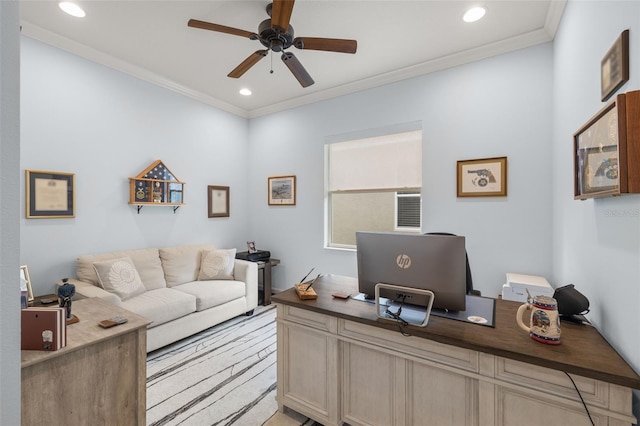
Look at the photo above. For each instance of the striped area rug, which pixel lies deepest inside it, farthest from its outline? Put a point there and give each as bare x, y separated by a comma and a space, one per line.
225, 375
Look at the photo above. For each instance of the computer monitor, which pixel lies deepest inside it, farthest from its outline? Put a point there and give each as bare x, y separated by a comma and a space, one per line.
429, 262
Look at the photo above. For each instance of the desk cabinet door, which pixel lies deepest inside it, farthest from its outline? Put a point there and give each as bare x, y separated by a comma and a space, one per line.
383, 389
307, 372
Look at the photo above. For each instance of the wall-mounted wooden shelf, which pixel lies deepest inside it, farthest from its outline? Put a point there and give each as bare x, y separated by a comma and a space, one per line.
156, 186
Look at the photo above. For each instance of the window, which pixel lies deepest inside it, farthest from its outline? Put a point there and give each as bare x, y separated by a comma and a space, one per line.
373, 184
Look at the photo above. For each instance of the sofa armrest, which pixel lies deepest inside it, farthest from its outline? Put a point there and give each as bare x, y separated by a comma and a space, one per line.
86, 290
247, 272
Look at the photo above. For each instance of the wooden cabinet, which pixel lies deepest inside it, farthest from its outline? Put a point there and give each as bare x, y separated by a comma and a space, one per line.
99, 378
607, 150
338, 364
308, 364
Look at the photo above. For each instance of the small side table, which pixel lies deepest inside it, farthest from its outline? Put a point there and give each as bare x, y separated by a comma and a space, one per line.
264, 275
265, 267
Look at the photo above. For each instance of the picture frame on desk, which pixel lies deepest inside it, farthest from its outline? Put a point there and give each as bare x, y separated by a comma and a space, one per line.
24, 274
49, 195
484, 177
282, 190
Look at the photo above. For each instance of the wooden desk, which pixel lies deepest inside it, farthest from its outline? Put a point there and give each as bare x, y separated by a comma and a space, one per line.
338, 363
98, 378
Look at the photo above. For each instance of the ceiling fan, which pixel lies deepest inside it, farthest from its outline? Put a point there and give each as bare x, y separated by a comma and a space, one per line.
277, 35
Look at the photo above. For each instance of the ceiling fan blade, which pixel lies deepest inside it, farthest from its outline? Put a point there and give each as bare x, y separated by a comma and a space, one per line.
221, 29
328, 44
248, 63
281, 14
297, 69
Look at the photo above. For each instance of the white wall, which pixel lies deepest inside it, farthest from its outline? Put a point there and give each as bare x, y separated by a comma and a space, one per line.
496, 107
105, 127
596, 243
9, 197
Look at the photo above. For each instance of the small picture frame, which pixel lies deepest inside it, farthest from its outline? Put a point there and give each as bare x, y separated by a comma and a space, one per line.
24, 275
614, 67
218, 197
251, 247
49, 195
282, 190
485, 177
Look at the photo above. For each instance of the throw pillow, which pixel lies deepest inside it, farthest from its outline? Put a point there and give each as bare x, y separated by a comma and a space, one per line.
119, 276
217, 265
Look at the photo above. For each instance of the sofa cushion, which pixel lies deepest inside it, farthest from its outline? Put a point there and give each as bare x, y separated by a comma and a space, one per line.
182, 264
213, 293
161, 305
147, 262
217, 265
119, 276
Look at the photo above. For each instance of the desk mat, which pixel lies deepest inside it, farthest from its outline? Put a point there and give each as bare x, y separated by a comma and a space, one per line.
480, 310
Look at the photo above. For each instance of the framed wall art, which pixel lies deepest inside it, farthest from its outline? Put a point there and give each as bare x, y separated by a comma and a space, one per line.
485, 177
614, 68
49, 195
218, 197
282, 190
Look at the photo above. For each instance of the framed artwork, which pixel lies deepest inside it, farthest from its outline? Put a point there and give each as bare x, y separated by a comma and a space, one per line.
614, 67
485, 177
282, 190
597, 154
49, 195
251, 247
24, 275
218, 201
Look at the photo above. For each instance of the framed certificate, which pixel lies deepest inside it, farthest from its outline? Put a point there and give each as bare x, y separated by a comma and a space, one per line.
49, 195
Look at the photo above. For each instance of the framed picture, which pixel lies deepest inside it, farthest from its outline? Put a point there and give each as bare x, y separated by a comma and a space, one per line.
251, 247
598, 154
218, 201
486, 177
49, 195
282, 190
614, 68
24, 275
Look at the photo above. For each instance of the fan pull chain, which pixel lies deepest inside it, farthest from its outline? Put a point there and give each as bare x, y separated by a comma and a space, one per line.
271, 71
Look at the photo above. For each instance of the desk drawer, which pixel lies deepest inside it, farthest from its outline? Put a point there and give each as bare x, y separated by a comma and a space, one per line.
308, 318
461, 358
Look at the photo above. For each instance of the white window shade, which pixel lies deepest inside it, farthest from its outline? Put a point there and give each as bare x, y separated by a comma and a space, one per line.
391, 162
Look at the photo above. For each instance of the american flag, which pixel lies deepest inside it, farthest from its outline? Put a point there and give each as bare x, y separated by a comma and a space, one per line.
159, 172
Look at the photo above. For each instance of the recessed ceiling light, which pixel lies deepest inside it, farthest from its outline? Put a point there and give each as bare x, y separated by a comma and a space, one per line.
474, 14
245, 92
72, 9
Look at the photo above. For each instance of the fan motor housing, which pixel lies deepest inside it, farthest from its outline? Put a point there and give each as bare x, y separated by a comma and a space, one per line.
273, 39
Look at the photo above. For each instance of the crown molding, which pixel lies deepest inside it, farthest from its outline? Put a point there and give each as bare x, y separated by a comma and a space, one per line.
64, 43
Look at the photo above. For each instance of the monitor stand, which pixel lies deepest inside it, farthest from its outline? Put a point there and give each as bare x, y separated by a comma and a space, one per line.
479, 310
401, 312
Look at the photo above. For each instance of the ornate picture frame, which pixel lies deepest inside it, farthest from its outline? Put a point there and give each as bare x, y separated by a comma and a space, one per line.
49, 195
282, 190
614, 67
218, 201
485, 177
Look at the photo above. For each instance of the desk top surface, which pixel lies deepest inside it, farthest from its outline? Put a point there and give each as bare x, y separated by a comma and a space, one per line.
583, 350
87, 331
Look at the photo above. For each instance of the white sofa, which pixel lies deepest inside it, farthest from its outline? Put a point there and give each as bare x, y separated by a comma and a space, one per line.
177, 294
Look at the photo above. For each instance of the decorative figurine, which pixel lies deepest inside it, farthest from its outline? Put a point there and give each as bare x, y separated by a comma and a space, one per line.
65, 293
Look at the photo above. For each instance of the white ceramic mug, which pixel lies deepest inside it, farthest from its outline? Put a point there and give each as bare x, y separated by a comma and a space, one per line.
545, 322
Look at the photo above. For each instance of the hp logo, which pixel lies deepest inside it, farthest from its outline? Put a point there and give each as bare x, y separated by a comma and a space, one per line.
403, 261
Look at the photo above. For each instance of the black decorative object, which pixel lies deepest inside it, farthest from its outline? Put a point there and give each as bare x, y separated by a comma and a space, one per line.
65, 294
